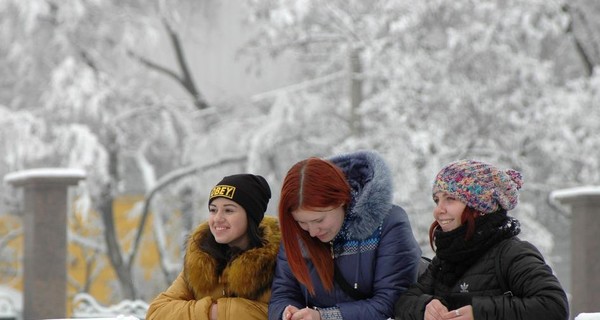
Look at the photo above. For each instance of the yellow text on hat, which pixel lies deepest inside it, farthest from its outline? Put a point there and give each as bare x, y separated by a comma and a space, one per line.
222, 191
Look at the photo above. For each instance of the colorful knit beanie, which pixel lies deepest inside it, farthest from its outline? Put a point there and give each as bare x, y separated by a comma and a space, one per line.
250, 191
480, 185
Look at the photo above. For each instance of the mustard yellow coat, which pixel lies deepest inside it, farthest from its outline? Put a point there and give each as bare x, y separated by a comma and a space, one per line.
241, 292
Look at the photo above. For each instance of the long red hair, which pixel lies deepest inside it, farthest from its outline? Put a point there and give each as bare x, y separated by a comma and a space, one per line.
310, 184
468, 217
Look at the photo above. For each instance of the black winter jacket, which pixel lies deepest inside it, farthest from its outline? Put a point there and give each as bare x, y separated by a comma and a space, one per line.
536, 292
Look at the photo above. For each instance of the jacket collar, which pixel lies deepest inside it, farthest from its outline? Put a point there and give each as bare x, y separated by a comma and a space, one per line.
247, 276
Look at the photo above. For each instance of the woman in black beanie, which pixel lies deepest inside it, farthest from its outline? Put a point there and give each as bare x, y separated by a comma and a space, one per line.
230, 259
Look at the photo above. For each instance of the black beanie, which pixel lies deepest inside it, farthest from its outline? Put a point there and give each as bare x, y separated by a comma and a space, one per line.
250, 191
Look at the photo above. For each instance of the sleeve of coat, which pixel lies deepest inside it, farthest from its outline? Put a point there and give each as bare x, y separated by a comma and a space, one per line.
536, 292
285, 290
178, 302
240, 308
411, 304
396, 267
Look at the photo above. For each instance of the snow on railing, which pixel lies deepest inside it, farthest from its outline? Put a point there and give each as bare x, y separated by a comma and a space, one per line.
85, 306
7, 308
588, 316
120, 317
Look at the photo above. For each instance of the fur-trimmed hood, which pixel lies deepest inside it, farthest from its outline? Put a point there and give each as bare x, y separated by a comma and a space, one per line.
248, 275
371, 183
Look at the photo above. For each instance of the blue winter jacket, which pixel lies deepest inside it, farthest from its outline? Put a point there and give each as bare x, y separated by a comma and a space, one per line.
375, 250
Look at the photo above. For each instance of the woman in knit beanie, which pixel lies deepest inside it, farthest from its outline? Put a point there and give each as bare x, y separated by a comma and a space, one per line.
230, 259
481, 270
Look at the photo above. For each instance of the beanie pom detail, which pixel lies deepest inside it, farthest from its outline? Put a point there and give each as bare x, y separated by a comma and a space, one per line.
516, 177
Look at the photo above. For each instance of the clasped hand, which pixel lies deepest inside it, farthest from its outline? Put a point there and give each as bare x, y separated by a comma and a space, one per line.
293, 313
435, 310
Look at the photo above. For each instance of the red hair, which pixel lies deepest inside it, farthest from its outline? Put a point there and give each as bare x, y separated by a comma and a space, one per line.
310, 184
468, 217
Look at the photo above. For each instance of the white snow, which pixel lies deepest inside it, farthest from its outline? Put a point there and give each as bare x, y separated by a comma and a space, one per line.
11, 301
44, 173
115, 318
588, 316
566, 194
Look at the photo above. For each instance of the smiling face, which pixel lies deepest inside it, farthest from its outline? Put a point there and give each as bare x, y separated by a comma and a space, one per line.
321, 223
228, 223
448, 211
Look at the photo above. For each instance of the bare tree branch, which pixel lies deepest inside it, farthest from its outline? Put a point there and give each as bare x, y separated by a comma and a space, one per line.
187, 81
155, 66
585, 58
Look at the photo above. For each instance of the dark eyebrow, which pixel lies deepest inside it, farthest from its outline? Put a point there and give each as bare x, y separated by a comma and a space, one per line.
225, 205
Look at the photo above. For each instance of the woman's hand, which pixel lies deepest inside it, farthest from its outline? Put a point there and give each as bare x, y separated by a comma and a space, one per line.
288, 312
462, 313
435, 310
213, 311
293, 313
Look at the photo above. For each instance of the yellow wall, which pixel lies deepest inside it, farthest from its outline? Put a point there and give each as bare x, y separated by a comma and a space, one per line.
9, 223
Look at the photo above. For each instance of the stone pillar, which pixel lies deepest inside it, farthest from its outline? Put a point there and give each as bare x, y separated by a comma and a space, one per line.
45, 236
584, 203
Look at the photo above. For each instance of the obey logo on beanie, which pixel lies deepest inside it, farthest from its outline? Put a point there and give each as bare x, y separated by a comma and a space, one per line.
250, 191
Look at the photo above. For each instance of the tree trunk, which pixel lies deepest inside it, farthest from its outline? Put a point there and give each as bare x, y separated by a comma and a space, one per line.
105, 207
355, 90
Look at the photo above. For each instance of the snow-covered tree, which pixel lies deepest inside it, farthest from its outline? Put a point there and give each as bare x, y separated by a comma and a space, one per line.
503, 81
81, 96
513, 82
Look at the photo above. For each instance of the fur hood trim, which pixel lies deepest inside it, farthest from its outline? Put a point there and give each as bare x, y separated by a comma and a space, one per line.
247, 276
371, 182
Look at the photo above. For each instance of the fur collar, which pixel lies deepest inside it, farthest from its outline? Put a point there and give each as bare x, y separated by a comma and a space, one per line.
371, 182
247, 276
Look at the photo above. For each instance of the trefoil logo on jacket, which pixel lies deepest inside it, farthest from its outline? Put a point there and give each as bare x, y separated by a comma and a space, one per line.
464, 287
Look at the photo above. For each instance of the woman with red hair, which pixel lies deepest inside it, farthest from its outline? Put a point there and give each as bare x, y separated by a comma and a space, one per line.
338, 227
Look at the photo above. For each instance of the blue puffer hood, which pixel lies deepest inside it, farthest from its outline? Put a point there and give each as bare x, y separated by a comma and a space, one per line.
371, 183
